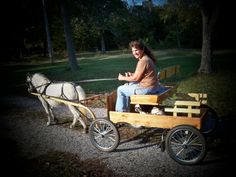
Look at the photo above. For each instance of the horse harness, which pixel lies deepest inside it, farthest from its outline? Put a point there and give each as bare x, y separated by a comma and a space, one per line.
32, 88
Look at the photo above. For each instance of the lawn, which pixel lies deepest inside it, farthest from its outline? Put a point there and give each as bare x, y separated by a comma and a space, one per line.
219, 85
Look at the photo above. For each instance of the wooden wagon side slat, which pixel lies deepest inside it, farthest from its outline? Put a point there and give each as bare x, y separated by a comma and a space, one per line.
183, 110
201, 97
187, 103
149, 120
186, 107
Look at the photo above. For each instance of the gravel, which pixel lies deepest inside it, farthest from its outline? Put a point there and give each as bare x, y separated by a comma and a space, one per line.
23, 122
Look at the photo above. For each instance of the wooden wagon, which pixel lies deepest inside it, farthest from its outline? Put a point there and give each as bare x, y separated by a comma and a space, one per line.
185, 125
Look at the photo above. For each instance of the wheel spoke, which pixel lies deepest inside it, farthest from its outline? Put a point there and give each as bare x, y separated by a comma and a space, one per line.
185, 144
112, 137
104, 135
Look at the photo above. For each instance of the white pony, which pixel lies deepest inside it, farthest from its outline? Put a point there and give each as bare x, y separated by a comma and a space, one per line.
66, 90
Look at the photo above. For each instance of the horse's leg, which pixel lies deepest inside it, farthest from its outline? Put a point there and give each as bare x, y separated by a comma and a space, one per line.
48, 110
54, 120
76, 114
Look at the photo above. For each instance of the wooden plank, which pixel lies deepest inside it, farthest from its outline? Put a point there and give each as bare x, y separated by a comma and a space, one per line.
149, 120
187, 103
162, 74
111, 101
144, 99
202, 97
177, 69
169, 72
151, 99
185, 107
183, 110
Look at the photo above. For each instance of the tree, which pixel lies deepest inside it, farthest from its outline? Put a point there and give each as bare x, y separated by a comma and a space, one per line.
210, 12
69, 41
103, 13
47, 33
172, 13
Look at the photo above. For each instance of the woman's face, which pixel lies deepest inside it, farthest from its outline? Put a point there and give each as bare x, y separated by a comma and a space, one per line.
138, 53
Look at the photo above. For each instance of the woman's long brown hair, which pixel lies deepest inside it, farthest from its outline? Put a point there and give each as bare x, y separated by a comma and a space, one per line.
141, 46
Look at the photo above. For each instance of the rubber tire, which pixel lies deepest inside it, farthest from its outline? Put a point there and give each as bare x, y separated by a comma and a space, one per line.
210, 121
98, 128
190, 153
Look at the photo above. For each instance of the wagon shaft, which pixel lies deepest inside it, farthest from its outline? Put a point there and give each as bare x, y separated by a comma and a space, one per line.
67, 102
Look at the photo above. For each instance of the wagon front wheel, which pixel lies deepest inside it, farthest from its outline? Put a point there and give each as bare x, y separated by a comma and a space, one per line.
104, 135
186, 145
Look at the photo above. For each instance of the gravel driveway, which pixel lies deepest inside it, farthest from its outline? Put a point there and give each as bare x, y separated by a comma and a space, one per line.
26, 139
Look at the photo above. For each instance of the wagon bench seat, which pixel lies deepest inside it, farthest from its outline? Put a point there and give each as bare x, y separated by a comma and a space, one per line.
152, 99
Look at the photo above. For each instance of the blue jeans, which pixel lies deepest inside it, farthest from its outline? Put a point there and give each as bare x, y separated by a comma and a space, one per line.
125, 91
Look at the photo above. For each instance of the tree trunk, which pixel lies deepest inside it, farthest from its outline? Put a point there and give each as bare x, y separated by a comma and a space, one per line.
178, 34
103, 46
209, 18
205, 66
49, 43
69, 41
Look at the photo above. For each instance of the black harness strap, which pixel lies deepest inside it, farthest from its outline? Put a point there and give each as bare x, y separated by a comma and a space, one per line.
45, 88
63, 94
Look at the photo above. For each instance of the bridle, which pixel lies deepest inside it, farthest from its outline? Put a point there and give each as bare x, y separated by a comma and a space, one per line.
31, 87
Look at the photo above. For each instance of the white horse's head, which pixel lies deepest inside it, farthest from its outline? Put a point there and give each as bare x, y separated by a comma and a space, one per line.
35, 81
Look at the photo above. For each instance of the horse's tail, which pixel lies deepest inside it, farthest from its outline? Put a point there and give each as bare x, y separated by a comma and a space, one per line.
82, 96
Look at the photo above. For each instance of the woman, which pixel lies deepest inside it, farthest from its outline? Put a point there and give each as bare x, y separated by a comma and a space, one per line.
143, 81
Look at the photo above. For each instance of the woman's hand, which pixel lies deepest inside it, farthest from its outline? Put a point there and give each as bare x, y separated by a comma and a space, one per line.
125, 77
128, 74
120, 77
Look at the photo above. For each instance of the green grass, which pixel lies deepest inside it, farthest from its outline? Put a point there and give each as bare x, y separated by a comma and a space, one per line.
97, 66
220, 85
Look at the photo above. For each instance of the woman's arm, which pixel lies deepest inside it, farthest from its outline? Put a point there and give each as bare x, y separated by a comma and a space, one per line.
137, 75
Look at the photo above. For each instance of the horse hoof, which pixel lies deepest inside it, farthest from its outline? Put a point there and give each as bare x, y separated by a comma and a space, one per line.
54, 122
85, 131
71, 126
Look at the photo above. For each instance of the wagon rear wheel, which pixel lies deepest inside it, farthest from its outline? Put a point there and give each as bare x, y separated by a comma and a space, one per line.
209, 121
104, 135
186, 145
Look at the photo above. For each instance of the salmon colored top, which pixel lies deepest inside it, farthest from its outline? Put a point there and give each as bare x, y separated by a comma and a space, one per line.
149, 77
